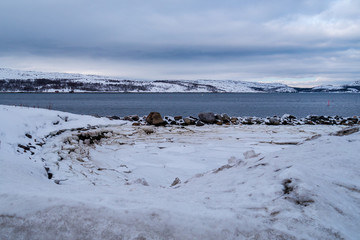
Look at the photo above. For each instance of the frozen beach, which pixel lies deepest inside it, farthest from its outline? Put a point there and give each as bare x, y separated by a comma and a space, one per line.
68, 176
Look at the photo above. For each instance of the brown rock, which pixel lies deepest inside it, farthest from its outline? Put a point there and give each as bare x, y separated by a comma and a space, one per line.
234, 120
225, 118
189, 121
154, 118
175, 182
177, 118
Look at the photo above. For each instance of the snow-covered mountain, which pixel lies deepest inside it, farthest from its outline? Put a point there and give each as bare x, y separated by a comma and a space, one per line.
30, 81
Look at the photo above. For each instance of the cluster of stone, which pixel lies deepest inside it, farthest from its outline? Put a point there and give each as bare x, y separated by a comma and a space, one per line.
155, 118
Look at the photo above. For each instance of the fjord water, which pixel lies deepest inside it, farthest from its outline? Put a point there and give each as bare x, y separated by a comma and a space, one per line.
187, 104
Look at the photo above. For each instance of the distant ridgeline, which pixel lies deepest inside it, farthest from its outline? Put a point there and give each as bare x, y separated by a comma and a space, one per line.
28, 81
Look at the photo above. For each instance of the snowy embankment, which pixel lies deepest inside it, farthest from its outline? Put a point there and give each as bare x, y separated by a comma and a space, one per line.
66, 176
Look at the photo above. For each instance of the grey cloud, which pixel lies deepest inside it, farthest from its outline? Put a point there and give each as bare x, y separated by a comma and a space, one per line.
302, 38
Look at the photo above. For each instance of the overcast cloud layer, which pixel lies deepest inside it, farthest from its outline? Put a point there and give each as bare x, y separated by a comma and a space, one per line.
308, 42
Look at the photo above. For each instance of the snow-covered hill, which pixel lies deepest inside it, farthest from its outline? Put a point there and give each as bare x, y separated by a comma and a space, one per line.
352, 88
30, 81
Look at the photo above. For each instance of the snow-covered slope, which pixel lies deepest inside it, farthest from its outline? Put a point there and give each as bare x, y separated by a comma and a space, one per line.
111, 180
351, 88
30, 81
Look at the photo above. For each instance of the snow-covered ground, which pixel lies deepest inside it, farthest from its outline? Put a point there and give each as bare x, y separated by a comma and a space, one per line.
112, 180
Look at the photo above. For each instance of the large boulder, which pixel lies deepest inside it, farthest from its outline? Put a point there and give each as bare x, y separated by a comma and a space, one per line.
189, 121
154, 118
272, 121
225, 118
207, 117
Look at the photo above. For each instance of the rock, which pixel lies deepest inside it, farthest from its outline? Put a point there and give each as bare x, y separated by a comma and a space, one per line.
136, 124
199, 123
225, 118
288, 119
234, 120
132, 118
177, 118
135, 117
189, 121
26, 148
114, 118
248, 121
28, 135
219, 123
175, 182
353, 120
154, 118
309, 122
273, 121
207, 117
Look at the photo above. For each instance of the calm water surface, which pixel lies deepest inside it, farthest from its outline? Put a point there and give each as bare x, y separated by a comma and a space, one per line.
186, 104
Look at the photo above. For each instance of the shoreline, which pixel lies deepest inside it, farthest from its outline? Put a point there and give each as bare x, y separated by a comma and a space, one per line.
209, 118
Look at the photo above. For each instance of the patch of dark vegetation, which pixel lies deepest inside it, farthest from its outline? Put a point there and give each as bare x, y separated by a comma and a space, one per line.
26, 148
287, 186
273, 214
92, 137
56, 133
227, 166
49, 174
303, 202
291, 195
258, 165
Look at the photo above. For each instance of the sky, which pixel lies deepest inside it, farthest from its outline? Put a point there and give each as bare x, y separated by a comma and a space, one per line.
299, 43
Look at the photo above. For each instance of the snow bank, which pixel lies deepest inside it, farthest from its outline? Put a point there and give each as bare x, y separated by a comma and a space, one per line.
111, 180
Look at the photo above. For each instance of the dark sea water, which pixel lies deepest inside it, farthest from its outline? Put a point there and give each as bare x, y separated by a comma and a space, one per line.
187, 104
